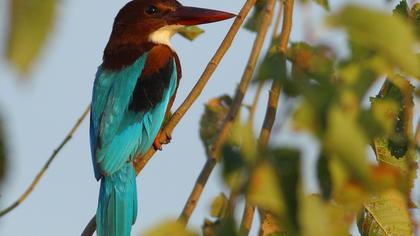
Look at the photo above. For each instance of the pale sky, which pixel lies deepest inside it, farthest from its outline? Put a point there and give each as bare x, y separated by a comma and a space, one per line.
39, 112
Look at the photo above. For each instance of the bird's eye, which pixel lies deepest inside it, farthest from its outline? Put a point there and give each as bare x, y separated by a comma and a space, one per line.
151, 10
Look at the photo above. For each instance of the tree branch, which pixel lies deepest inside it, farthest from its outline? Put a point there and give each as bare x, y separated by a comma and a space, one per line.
249, 209
41, 172
233, 111
270, 227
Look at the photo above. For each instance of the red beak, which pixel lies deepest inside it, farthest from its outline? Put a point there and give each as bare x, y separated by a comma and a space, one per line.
194, 16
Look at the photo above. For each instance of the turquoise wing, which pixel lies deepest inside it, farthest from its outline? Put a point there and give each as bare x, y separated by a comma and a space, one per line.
118, 133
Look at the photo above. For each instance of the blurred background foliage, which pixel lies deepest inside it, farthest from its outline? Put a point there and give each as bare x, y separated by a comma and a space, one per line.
328, 94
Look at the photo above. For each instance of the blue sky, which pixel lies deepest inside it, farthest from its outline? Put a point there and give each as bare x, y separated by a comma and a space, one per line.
40, 111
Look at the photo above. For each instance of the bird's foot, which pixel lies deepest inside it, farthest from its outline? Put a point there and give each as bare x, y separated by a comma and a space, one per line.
157, 145
168, 139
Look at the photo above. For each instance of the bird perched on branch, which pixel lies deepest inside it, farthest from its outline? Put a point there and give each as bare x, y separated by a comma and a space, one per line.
133, 91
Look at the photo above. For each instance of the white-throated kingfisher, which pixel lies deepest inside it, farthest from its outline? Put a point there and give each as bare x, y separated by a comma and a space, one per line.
133, 92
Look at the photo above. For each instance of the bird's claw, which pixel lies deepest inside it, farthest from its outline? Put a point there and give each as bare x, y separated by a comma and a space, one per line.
168, 139
157, 145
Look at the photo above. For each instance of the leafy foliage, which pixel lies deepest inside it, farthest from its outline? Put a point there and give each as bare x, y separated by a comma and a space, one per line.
218, 206
170, 228
30, 24
386, 214
328, 94
215, 112
254, 20
387, 36
396, 149
273, 66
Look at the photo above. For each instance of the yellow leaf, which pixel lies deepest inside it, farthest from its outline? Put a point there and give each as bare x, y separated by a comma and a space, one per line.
190, 32
170, 228
386, 214
31, 22
390, 36
264, 190
346, 141
218, 206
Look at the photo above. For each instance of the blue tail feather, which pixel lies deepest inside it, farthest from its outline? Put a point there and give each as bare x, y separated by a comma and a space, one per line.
117, 205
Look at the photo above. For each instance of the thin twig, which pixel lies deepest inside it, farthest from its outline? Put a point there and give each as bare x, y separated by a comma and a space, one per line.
255, 102
90, 227
249, 209
261, 82
273, 102
139, 163
277, 22
233, 111
41, 172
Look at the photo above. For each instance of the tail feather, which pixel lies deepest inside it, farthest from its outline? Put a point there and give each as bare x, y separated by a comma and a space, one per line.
117, 205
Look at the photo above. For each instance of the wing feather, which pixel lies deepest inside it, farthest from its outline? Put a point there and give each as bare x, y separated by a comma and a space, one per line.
119, 133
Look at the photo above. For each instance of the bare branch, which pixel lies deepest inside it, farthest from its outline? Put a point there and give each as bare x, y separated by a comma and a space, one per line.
249, 209
233, 111
255, 102
270, 227
41, 172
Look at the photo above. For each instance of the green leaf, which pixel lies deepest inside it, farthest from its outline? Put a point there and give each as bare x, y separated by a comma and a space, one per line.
323, 3
386, 214
215, 112
170, 228
273, 66
315, 62
322, 218
385, 112
346, 192
305, 118
233, 164
254, 21
402, 9
395, 149
30, 24
346, 141
218, 206
238, 154
243, 137
190, 32
218, 227
390, 37
287, 166
263, 190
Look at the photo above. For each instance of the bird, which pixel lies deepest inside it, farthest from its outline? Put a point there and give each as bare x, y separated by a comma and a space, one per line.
133, 91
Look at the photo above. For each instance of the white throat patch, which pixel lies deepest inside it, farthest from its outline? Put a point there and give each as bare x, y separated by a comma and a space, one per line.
164, 35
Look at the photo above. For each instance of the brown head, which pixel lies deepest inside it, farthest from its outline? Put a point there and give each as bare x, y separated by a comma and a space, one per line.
140, 24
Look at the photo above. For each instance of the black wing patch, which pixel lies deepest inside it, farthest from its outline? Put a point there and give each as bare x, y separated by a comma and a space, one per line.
149, 89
